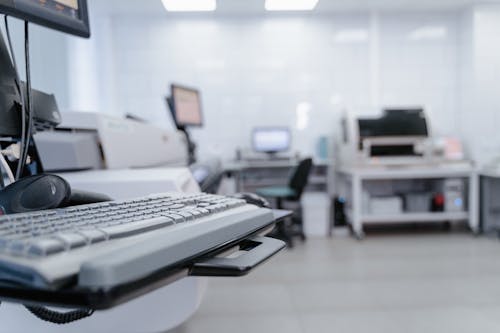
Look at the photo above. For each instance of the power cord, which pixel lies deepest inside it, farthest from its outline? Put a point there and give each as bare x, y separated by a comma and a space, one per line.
28, 96
56, 317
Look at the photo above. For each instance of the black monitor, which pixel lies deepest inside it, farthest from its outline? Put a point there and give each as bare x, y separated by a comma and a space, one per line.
185, 105
271, 140
68, 16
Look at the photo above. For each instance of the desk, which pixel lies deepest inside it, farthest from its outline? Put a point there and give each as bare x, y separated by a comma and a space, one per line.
253, 174
351, 181
157, 311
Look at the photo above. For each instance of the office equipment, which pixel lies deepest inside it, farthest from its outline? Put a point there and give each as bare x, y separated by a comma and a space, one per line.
353, 180
454, 191
174, 298
185, 107
119, 143
292, 192
399, 136
45, 110
63, 15
108, 244
271, 140
68, 151
253, 199
34, 193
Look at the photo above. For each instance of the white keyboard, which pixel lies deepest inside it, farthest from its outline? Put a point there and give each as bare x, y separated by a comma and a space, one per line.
107, 244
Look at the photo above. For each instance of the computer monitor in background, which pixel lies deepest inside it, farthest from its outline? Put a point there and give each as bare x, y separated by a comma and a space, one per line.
271, 140
70, 16
185, 105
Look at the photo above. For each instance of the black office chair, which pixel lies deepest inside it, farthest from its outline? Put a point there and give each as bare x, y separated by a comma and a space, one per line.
292, 193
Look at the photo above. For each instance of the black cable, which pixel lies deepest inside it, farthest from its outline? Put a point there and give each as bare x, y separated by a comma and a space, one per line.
28, 94
21, 94
56, 317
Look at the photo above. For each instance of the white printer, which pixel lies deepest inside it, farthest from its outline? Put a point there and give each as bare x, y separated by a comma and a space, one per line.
86, 140
398, 136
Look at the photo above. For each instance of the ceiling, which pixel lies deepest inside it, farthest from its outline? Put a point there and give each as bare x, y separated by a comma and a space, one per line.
241, 7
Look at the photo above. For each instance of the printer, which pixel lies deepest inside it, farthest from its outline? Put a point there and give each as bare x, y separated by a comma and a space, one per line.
85, 141
398, 136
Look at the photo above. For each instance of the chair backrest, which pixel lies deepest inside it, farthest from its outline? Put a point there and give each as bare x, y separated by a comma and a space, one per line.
299, 178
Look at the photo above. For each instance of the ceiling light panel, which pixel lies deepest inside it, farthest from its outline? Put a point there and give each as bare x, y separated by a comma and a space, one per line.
190, 5
290, 5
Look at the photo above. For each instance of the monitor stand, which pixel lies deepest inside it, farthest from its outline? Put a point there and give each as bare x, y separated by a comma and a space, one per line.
191, 146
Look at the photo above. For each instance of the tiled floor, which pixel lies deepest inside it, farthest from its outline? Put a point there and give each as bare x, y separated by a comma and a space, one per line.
398, 282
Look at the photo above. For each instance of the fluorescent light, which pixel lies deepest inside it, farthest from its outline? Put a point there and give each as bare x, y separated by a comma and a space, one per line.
291, 4
189, 5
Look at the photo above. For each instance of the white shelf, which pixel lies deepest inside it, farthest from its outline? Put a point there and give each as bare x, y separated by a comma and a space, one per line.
416, 217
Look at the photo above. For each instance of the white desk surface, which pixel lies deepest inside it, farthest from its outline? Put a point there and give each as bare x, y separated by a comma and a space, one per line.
268, 163
129, 183
437, 170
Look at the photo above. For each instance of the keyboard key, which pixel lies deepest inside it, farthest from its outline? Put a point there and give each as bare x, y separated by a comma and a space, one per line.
176, 206
93, 235
175, 217
71, 240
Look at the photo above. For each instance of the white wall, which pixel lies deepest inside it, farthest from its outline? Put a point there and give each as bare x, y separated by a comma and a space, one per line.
298, 71
479, 116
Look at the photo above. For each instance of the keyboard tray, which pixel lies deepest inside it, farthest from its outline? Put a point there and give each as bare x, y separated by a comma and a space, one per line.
257, 250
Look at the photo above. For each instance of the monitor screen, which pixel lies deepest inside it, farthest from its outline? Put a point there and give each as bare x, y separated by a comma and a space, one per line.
271, 139
186, 106
69, 16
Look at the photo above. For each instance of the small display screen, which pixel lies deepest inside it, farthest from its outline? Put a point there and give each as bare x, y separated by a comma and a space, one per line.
187, 106
64, 7
271, 140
